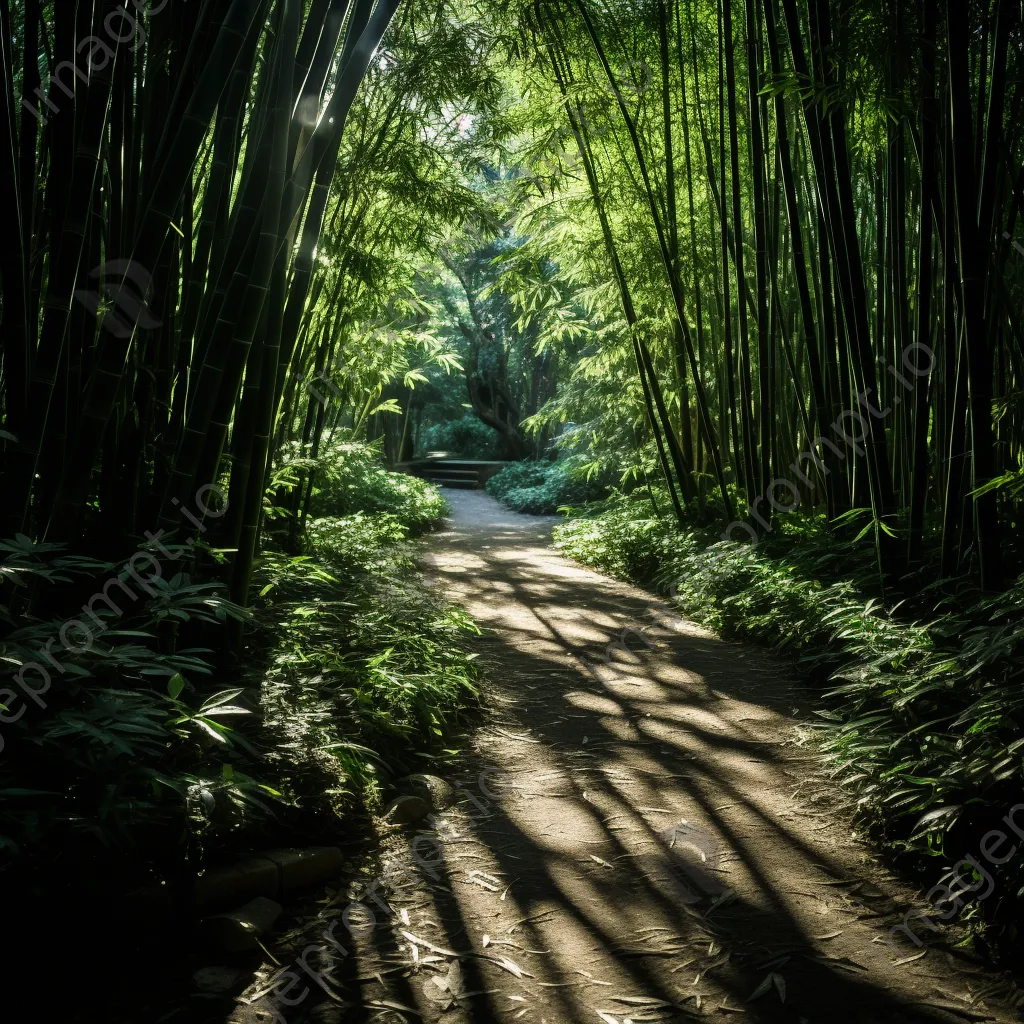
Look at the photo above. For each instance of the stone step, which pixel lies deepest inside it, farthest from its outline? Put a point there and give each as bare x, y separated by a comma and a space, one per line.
457, 482
451, 474
469, 474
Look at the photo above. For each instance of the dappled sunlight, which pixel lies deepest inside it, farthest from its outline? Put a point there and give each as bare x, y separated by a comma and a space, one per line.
659, 847
718, 299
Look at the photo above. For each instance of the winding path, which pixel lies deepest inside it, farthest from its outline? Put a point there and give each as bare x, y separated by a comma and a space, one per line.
661, 845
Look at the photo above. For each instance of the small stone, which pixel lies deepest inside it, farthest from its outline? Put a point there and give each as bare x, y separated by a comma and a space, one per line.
239, 929
438, 793
407, 810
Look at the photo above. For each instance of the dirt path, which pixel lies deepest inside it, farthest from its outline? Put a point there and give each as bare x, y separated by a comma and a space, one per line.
649, 840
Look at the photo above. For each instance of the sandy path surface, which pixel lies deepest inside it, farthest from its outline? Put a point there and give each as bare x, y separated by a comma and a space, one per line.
649, 840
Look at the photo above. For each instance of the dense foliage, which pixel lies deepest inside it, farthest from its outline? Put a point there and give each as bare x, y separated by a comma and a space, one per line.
366, 669
758, 257
789, 228
542, 488
144, 753
467, 437
207, 305
347, 477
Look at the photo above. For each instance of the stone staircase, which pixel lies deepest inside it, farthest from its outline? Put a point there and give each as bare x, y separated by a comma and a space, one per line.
441, 469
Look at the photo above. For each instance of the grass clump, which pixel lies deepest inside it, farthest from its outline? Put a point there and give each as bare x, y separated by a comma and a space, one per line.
922, 716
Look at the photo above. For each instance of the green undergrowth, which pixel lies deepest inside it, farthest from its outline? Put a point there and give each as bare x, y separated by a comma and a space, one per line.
362, 670
367, 672
348, 477
129, 745
922, 713
541, 488
157, 748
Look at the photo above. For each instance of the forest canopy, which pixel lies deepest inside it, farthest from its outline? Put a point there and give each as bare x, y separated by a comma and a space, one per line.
781, 235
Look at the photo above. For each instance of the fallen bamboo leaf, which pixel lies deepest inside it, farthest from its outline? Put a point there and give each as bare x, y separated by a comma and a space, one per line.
909, 959
526, 920
511, 966
516, 945
642, 1001
593, 980
478, 878
765, 985
429, 945
842, 961
390, 1004
780, 986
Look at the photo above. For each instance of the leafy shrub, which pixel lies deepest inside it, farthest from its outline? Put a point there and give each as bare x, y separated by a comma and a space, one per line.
627, 539
468, 437
516, 475
924, 719
368, 666
348, 477
143, 752
359, 546
541, 488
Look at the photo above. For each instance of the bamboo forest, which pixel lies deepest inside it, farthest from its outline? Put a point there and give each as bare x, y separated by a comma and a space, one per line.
512, 511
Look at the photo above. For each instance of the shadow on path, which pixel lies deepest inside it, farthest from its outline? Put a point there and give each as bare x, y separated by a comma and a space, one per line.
660, 846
